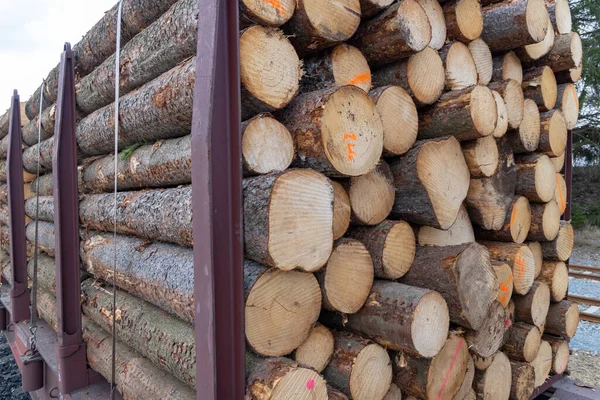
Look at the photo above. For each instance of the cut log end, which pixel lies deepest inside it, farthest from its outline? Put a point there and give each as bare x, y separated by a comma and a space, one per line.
556, 275
505, 280
569, 104
495, 382
561, 247
469, 19
394, 393
533, 307
399, 250
561, 355
542, 364
399, 118
521, 260
371, 373
467, 384
448, 368
435, 14
545, 181
523, 381
536, 17
300, 382
461, 70
266, 146
315, 352
562, 16
416, 23
341, 210
532, 343
426, 76
268, 13
560, 195
483, 110
536, 249
459, 233
558, 162
520, 219
512, 94
532, 52
502, 123
482, 156
549, 88
350, 67
553, 136
528, 134
571, 320
545, 221
431, 316
372, 195
512, 67
483, 61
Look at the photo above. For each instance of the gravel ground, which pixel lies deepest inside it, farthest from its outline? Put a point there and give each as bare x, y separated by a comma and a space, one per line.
10, 378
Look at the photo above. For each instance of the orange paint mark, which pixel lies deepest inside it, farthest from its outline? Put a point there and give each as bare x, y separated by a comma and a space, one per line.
513, 216
360, 78
277, 5
562, 204
503, 296
520, 265
352, 137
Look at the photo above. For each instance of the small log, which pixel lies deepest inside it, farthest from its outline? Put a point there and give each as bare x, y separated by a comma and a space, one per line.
280, 377
4, 121
467, 384
272, 14
526, 138
523, 380
536, 178
43, 212
516, 223
567, 53
347, 278
519, 258
274, 203
431, 182
560, 194
371, 195
560, 15
539, 84
460, 274
341, 210
45, 236
464, 20
545, 221
461, 70
391, 245
460, 232
422, 75
394, 393
533, 307
560, 353
502, 110
556, 275
561, 247
542, 364
535, 51
568, 103
467, 114
30, 130
267, 146
481, 363
396, 315
336, 131
270, 70
483, 61
553, 133
536, 249
399, 118
523, 342
488, 339
435, 15
558, 162
342, 65
398, 32
511, 24
505, 280
562, 319
359, 368
507, 66
4, 193
30, 158
281, 308
495, 382
512, 93
316, 351
334, 394
573, 75
438, 377
316, 26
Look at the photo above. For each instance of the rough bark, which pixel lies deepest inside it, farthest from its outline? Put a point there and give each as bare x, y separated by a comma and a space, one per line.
30, 130
560, 353
4, 120
370, 8
573, 75
30, 157
562, 319
45, 212
495, 381
271, 14
560, 249
489, 337
507, 66
45, 236
519, 257
515, 226
523, 380
464, 20
533, 307
536, 178
523, 342
566, 53
4, 193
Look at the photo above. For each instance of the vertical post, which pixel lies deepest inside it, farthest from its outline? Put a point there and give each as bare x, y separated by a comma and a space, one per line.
569, 174
70, 348
217, 205
19, 293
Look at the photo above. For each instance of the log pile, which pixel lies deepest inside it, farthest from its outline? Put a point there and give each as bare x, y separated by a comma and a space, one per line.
402, 197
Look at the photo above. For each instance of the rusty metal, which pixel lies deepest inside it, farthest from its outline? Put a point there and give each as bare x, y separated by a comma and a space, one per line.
70, 348
569, 174
19, 295
589, 317
590, 301
551, 381
217, 205
582, 275
588, 268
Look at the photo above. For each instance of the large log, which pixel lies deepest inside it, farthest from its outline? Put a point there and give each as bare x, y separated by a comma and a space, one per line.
461, 70
266, 13
553, 133
336, 131
4, 120
396, 316
533, 307
519, 257
431, 181
523, 342
460, 232
467, 114
502, 110
280, 310
438, 378
516, 225
462, 274
536, 178
341, 210
507, 66
464, 20
545, 221
562, 319
560, 353
560, 15
483, 61
391, 245
539, 84
526, 138
567, 53
489, 337
560, 248
160, 337
542, 364
535, 51
568, 103
494, 383
359, 368
523, 380
422, 75
316, 351
536, 249
267, 146
288, 219
398, 32
436, 17
511, 24
347, 277
512, 93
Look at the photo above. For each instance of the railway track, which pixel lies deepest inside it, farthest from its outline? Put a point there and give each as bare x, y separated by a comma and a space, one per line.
586, 272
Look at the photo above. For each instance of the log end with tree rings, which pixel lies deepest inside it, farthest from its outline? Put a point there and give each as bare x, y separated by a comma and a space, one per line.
571, 76
461, 71
512, 68
568, 101
281, 308
267, 13
536, 249
562, 16
460, 232
512, 93
266, 145
523, 380
527, 137
502, 123
505, 280
347, 278
560, 353
316, 351
556, 275
520, 219
561, 247
532, 52
372, 195
553, 134
431, 316
488, 338
562, 319
467, 19
576, 49
435, 14
548, 88
533, 306
536, 19
350, 67
399, 118
520, 258
426, 76
542, 364
560, 195
481, 156
532, 341
341, 210
394, 393
483, 61
270, 70
483, 110
558, 162
545, 221
413, 19
467, 384
494, 383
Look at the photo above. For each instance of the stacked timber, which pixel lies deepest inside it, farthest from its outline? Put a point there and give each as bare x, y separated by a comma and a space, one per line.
402, 196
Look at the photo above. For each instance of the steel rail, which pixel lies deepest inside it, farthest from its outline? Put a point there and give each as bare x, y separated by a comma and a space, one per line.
582, 275
590, 301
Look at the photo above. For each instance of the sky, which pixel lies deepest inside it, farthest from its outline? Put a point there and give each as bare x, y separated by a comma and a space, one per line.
32, 36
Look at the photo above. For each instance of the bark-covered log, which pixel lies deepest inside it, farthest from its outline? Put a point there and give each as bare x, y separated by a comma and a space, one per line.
341, 210
494, 383
399, 118
422, 75
391, 245
539, 84
438, 378
489, 337
267, 146
461, 70
398, 32
511, 24
281, 308
431, 181
359, 368
560, 249
464, 20
516, 225
30, 130
560, 353
560, 15
567, 53
460, 232
316, 351
523, 342
162, 338
32, 107
542, 364
526, 138
370, 8
462, 274
507, 66
435, 15
30, 157
533, 307
536, 178
553, 133
502, 110
519, 257
573, 75
483, 61
397, 316
336, 131
562, 319
266, 13
568, 103
347, 278
512, 93
545, 221
45, 210
523, 380
288, 219
535, 51
158, 48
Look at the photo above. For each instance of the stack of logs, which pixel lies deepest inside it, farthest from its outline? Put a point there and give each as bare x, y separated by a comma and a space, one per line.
402, 196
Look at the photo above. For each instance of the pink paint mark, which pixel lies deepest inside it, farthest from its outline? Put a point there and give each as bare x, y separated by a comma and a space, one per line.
507, 323
310, 384
439, 396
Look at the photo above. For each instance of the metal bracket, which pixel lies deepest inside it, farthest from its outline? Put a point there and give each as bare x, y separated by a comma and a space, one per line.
569, 174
